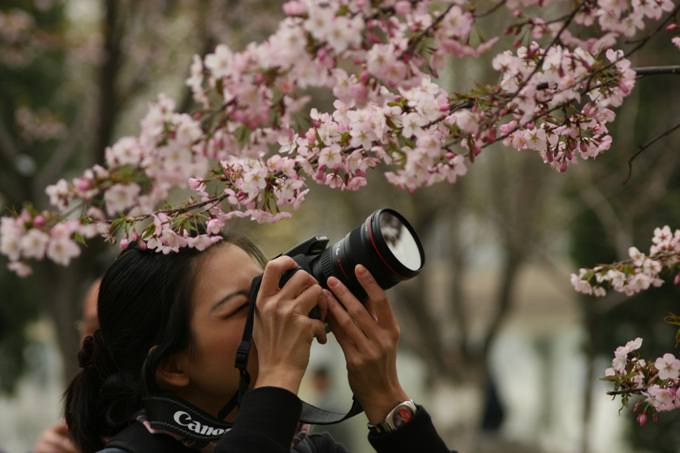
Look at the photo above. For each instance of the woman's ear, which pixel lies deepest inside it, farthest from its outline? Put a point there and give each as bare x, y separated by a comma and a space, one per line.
172, 371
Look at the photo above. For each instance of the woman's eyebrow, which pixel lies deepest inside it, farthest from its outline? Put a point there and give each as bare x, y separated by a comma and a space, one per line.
228, 297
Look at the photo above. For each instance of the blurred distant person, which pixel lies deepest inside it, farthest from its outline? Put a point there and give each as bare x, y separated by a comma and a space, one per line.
89, 321
327, 398
55, 439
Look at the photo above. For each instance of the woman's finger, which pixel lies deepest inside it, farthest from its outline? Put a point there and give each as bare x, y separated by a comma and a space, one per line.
336, 317
377, 303
272, 274
350, 320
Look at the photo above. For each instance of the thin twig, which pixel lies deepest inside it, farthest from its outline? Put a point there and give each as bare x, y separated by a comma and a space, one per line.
644, 147
656, 256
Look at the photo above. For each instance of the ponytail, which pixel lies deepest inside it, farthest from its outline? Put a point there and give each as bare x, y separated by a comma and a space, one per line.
100, 399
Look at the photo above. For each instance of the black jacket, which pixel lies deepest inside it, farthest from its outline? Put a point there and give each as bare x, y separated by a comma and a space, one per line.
266, 423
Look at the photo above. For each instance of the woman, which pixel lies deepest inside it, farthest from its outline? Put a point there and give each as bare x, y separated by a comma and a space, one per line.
170, 330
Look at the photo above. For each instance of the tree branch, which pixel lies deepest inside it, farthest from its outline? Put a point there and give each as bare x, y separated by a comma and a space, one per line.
657, 70
644, 147
7, 147
54, 167
627, 391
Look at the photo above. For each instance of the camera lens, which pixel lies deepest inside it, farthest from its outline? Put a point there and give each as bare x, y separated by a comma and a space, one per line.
385, 243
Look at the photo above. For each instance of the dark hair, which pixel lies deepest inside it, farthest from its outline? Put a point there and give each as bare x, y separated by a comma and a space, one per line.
144, 310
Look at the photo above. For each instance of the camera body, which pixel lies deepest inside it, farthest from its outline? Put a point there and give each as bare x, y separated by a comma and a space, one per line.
385, 243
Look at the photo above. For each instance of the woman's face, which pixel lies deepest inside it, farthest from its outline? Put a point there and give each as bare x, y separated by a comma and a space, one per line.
220, 300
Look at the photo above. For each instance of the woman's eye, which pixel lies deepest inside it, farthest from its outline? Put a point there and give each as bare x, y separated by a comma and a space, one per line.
242, 307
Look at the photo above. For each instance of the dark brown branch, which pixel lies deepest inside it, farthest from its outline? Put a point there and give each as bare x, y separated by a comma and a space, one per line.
627, 391
657, 70
644, 147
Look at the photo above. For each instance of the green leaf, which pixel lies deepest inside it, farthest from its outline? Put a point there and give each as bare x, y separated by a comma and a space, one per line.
79, 238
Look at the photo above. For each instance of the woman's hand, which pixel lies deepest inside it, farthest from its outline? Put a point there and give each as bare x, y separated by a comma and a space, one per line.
368, 335
54, 440
283, 331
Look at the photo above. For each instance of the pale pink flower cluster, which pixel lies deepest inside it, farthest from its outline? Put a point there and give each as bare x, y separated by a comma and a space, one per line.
38, 126
166, 239
621, 361
658, 381
614, 18
28, 236
254, 145
627, 18
558, 84
638, 273
17, 32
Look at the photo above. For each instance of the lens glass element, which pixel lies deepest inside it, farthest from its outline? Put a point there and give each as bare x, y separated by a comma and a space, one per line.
401, 242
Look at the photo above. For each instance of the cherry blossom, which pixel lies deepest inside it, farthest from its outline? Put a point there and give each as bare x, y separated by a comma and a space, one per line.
636, 274
388, 109
668, 366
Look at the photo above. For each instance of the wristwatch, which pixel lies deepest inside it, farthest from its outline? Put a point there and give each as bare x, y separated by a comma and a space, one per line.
397, 417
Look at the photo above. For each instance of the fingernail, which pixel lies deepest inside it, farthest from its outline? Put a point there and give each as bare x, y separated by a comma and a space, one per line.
361, 269
333, 282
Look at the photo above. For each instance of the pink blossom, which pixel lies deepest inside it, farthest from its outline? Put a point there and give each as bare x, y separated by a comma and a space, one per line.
320, 20
254, 179
668, 366
456, 24
219, 63
215, 225
653, 9
59, 194
331, 156
20, 268
344, 33
661, 398
61, 248
34, 244
11, 232
126, 151
294, 8
203, 241
121, 197
403, 8
676, 41
467, 121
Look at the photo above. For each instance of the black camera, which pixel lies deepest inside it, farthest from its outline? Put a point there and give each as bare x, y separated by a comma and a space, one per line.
385, 243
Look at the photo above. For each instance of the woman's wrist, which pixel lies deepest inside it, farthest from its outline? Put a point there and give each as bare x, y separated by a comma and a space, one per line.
282, 377
379, 406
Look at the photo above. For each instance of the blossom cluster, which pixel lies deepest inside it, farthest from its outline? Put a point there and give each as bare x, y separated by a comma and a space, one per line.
254, 146
638, 273
564, 77
657, 381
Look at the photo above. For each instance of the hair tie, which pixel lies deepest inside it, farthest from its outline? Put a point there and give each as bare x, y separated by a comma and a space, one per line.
94, 354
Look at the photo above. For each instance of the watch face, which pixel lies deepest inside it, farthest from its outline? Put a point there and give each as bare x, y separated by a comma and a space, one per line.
402, 416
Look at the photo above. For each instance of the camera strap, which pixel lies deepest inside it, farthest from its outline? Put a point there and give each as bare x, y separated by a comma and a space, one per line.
170, 414
310, 414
